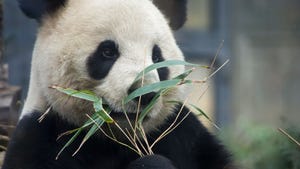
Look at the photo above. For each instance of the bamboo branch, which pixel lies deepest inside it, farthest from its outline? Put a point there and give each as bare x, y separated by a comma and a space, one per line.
289, 136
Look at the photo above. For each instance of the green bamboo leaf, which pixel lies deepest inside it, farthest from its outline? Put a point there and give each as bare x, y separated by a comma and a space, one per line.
166, 63
68, 133
90, 133
99, 122
78, 131
145, 112
101, 112
69, 142
98, 105
174, 102
159, 85
82, 94
150, 88
184, 74
186, 82
105, 116
201, 112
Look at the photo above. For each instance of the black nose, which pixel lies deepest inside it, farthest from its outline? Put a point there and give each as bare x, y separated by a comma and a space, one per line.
145, 99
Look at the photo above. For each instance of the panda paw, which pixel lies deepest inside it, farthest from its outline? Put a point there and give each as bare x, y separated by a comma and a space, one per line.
151, 162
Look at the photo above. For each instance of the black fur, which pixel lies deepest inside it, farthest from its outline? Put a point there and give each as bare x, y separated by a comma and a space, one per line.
34, 146
152, 162
174, 10
157, 56
37, 8
101, 61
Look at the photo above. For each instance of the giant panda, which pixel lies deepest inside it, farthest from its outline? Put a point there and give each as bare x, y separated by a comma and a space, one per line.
101, 45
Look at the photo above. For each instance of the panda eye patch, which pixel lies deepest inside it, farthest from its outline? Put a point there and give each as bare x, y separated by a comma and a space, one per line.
157, 54
156, 58
108, 49
101, 61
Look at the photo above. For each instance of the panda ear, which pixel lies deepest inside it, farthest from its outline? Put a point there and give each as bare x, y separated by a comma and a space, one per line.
174, 10
37, 8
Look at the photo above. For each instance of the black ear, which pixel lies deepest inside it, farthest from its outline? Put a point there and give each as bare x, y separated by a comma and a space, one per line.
174, 10
37, 8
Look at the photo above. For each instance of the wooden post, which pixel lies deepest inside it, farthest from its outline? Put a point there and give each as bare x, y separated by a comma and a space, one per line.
9, 95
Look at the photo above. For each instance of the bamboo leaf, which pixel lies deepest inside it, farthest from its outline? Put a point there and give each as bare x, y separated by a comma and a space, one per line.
78, 131
184, 74
144, 113
98, 105
100, 111
159, 85
186, 82
103, 114
200, 111
151, 87
161, 65
67, 133
82, 94
90, 133
69, 142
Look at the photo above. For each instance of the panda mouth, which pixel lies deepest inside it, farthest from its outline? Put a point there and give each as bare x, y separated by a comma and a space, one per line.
122, 115
115, 114
130, 112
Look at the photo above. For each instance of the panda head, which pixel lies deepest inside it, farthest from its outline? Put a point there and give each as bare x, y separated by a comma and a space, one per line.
101, 45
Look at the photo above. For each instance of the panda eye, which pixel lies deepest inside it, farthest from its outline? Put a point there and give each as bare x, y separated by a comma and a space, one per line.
156, 54
108, 53
109, 50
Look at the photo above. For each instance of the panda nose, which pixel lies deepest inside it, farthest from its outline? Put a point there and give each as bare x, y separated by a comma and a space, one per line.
145, 99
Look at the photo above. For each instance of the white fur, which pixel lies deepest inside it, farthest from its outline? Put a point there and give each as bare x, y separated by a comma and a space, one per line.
66, 39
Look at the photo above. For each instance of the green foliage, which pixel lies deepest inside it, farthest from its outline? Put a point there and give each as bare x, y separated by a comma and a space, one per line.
154, 87
261, 147
167, 63
82, 94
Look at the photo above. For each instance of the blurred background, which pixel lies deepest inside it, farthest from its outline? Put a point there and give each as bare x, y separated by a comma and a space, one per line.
252, 96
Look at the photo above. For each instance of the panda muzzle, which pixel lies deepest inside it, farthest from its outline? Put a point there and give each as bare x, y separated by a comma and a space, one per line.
144, 99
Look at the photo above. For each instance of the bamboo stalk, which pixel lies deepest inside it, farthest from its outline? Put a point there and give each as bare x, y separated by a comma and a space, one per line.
289, 136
